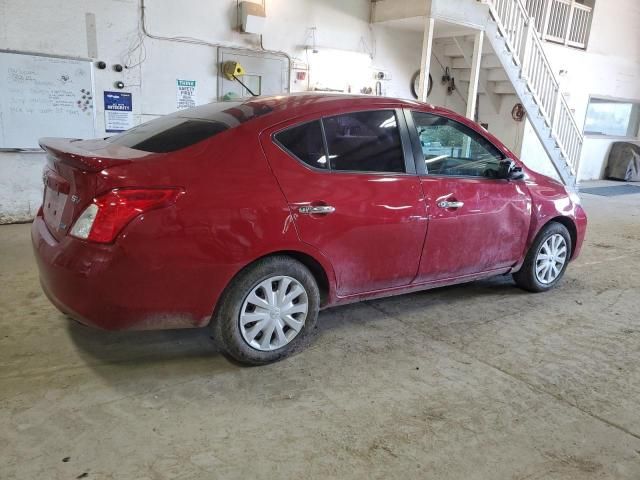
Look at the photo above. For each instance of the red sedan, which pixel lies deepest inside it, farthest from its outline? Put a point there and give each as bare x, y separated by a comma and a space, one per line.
252, 216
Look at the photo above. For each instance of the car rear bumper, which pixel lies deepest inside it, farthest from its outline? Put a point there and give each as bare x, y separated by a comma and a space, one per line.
108, 287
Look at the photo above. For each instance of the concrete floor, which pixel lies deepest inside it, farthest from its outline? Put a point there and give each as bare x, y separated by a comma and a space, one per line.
481, 381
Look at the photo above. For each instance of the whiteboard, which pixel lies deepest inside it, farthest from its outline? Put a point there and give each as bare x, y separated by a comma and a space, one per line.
44, 96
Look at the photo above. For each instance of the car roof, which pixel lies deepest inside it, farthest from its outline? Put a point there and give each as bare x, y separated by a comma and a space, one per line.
267, 111
277, 108
323, 100
289, 106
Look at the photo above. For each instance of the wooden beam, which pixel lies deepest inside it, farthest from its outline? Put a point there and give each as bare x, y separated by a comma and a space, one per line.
452, 33
475, 75
425, 64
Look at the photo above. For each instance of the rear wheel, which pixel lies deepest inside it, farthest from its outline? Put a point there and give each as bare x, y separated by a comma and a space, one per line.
267, 311
546, 260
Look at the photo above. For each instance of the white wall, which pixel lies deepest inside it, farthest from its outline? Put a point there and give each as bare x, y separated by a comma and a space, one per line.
609, 67
400, 52
455, 101
501, 123
534, 155
59, 27
20, 186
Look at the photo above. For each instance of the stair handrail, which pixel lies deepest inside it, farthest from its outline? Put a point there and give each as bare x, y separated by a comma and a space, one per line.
521, 39
570, 139
510, 25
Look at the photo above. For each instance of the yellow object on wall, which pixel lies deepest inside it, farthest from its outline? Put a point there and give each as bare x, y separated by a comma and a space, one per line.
232, 69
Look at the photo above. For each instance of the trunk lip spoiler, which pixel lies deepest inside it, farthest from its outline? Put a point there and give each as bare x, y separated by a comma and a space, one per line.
64, 150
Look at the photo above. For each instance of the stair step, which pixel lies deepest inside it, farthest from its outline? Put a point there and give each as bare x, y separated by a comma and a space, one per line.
451, 49
504, 88
490, 74
488, 61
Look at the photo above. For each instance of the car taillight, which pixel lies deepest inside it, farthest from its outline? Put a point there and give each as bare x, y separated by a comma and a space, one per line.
108, 214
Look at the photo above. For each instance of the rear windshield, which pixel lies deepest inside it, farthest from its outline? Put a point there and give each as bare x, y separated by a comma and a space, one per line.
188, 127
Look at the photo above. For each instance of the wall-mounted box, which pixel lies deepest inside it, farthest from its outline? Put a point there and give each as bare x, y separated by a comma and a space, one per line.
252, 17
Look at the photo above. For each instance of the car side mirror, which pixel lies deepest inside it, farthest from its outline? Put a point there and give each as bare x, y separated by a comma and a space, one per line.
510, 171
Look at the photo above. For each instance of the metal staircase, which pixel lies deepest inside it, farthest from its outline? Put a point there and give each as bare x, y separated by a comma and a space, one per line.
516, 42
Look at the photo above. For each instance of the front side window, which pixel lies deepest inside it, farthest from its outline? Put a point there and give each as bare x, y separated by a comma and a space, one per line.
364, 142
453, 149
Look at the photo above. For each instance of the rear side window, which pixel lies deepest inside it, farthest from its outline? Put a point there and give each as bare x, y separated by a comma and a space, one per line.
365, 142
188, 127
305, 143
168, 134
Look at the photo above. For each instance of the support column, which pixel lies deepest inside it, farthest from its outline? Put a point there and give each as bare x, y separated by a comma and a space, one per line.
425, 65
475, 74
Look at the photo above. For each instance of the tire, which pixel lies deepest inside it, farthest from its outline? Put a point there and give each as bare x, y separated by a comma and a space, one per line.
527, 278
245, 300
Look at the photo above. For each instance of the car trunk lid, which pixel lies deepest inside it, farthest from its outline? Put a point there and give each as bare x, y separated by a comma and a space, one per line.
72, 175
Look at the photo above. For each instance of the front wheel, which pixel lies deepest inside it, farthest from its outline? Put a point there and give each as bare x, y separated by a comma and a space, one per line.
546, 260
267, 311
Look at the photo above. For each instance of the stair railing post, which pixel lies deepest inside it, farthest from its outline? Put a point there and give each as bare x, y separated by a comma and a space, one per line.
547, 16
555, 116
529, 31
572, 9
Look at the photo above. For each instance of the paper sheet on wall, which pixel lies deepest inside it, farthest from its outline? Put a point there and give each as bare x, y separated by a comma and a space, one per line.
118, 111
186, 94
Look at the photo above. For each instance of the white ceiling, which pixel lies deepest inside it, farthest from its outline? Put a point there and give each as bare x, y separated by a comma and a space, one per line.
416, 24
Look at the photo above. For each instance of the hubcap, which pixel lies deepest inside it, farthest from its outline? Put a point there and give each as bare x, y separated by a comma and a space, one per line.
551, 258
273, 313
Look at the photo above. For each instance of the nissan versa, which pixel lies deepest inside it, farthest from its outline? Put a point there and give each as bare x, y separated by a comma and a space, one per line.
251, 216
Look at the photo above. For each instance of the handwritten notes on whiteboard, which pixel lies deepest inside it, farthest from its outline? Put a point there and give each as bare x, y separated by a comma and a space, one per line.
44, 97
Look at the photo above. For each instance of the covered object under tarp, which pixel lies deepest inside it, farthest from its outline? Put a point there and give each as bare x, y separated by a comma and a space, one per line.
624, 162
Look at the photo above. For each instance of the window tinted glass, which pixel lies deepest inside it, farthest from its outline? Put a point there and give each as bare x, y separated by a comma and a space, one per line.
168, 134
364, 142
187, 127
229, 113
305, 143
451, 148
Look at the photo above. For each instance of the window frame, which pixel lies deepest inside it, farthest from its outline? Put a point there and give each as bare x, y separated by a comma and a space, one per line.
405, 142
607, 99
419, 155
279, 144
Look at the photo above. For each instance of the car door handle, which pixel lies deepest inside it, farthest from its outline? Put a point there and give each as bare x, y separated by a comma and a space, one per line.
316, 209
445, 204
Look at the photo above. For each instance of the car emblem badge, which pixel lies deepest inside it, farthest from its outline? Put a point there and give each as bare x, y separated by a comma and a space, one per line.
75, 198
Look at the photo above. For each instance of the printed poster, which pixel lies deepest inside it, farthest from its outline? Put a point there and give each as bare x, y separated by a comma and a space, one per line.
186, 94
118, 111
